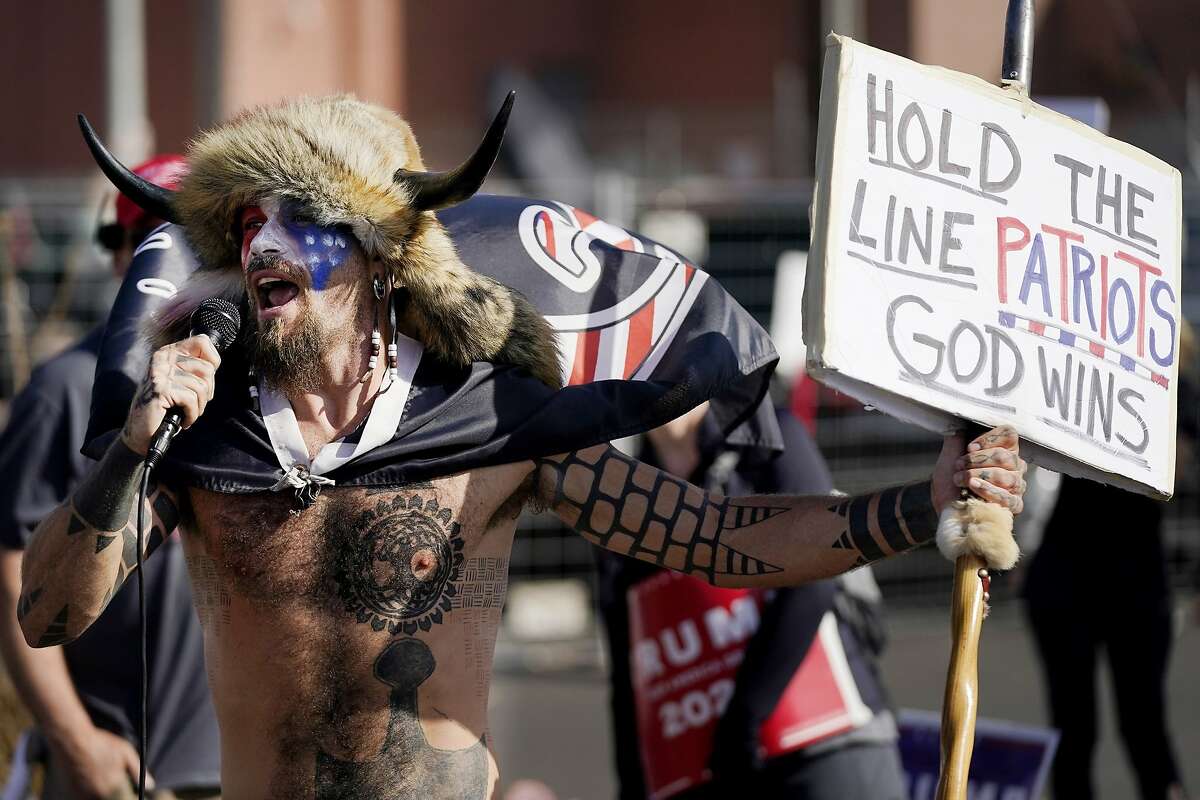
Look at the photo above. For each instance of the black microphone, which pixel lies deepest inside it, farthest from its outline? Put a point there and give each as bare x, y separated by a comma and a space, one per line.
221, 321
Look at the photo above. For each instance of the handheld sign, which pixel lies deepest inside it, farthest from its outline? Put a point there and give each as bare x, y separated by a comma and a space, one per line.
1011, 760
977, 256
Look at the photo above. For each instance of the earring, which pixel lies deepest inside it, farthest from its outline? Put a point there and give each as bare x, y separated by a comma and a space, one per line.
376, 339
253, 381
393, 359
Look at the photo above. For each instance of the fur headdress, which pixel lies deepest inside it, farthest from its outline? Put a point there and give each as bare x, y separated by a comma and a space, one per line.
355, 164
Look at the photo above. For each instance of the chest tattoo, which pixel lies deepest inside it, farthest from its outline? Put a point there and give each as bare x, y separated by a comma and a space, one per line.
401, 572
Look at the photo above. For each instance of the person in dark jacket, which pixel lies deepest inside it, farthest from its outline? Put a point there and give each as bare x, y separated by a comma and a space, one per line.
85, 695
861, 763
1098, 583
1112, 596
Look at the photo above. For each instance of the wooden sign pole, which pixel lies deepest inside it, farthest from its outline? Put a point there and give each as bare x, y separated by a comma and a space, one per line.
968, 606
961, 701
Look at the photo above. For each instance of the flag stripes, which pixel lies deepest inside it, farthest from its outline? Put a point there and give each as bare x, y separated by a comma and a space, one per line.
618, 350
1083, 344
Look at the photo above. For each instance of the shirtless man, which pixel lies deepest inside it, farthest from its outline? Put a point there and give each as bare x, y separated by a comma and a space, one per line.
349, 641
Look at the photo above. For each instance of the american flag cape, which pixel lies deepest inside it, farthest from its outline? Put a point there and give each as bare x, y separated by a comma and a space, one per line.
643, 336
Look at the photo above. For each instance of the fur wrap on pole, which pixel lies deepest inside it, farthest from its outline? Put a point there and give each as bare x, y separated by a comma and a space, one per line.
975, 527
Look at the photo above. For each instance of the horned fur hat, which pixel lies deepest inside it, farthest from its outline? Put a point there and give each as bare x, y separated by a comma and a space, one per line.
355, 164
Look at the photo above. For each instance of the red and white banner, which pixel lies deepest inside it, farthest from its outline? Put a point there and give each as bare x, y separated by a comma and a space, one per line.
688, 640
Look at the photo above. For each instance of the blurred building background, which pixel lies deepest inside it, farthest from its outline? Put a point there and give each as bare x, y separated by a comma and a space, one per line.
691, 121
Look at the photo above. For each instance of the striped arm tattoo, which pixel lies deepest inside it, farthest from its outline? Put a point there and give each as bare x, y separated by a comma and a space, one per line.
661, 519
886, 523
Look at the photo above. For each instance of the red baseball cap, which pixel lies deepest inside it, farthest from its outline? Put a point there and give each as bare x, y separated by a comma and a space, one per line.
165, 170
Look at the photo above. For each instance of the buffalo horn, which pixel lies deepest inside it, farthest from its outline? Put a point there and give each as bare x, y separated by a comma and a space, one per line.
154, 199
433, 190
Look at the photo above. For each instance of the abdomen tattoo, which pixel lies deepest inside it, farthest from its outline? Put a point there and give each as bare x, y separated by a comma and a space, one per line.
407, 766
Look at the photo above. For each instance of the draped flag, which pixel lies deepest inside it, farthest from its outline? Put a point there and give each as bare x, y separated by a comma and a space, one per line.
643, 337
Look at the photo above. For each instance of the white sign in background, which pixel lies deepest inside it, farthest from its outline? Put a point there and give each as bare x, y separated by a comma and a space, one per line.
978, 256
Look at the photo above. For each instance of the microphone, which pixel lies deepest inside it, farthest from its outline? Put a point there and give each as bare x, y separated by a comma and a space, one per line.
220, 320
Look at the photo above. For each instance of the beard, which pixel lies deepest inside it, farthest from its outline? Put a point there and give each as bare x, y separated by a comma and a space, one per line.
289, 357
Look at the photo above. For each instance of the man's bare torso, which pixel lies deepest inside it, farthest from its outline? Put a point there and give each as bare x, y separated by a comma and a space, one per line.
349, 646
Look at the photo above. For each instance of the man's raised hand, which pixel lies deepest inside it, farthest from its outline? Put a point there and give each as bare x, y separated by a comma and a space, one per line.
990, 467
183, 375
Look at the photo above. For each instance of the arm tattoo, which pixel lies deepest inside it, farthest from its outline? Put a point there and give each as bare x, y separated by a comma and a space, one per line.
145, 394
162, 521
27, 602
104, 504
628, 507
886, 523
71, 563
105, 497
56, 631
146, 391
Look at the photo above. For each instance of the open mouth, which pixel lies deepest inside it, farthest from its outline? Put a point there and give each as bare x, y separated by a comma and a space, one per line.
274, 291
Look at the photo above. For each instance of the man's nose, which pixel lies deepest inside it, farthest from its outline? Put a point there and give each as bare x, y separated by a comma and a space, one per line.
268, 241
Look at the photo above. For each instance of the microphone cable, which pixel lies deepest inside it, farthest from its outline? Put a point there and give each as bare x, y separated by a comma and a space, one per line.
144, 729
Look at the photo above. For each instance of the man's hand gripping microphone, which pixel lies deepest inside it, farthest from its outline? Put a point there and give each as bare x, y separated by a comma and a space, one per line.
220, 320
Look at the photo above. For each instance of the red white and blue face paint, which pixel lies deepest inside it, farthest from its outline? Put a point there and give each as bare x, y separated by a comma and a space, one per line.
280, 229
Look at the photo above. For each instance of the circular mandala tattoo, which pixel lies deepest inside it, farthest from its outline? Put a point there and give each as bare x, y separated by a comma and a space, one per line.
401, 572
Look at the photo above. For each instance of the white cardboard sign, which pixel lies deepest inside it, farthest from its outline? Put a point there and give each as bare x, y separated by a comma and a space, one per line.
977, 256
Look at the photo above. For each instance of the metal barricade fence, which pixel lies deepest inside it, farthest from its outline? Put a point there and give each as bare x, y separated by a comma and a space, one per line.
55, 282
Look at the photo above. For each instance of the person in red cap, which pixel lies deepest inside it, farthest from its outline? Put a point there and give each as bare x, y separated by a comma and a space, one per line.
84, 695
132, 224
